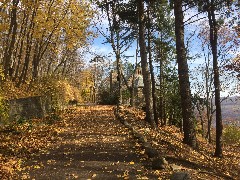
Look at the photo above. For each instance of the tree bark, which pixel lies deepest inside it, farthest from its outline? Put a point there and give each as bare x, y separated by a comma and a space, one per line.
20, 48
185, 91
29, 42
161, 96
35, 61
144, 64
213, 43
154, 98
132, 100
119, 78
12, 38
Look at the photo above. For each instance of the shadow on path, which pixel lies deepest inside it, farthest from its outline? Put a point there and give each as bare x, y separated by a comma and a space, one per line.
90, 144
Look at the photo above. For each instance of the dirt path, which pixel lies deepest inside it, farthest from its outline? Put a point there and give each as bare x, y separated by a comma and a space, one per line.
89, 144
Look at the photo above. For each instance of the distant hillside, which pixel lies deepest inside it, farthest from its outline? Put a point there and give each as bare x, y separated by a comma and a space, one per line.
231, 100
231, 110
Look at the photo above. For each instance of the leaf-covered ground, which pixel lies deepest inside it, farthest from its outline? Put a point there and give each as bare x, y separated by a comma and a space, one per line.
89, 143
200, 164
86, 144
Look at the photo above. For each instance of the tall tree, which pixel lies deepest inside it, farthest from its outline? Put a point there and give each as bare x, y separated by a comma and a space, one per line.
32, 29
11, 39
164, 52
150, 59
144, 64
185, 91
119, 36
211, 7
214, 44
133, 13
227, 42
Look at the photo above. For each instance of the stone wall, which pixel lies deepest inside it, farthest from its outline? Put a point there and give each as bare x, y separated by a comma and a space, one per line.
27, 108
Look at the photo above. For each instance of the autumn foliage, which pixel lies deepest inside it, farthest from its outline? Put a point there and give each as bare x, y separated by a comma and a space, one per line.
42, 47
40, 38
234, 66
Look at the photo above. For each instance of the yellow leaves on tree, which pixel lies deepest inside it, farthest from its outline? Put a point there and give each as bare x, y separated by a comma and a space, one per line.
46, 37
87, 85
63, 20
53, 20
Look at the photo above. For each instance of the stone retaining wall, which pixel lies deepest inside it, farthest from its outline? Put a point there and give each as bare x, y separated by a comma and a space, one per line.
27, 108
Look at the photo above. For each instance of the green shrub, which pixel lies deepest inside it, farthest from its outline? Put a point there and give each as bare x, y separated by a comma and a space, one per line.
231, 134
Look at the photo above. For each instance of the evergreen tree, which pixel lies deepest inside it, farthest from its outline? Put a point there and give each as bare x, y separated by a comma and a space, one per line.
185, 91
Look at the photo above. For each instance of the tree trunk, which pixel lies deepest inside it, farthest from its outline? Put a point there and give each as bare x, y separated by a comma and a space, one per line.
111, 82
213, 42
29, 42
119, 79
8, 71
35, 61
132, 100
19, 56
161, 96
154, 98
209, 104
144, 64
185, 91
